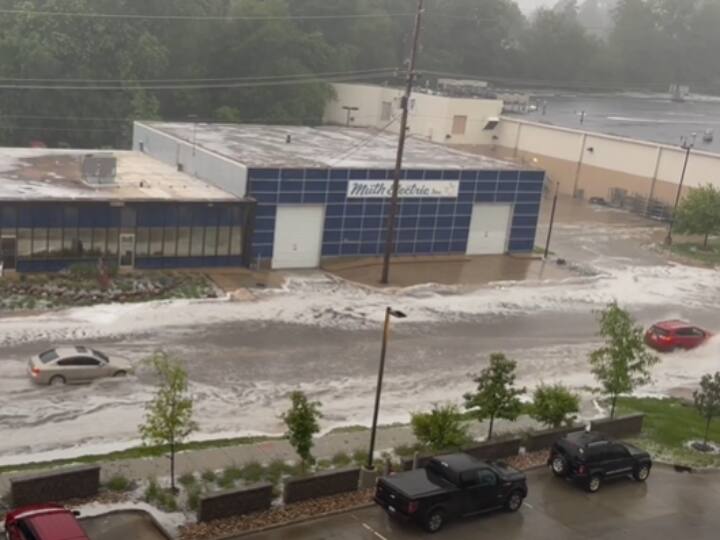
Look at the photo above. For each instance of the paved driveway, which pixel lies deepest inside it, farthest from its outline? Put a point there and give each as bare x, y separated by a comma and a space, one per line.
671, 505
123, 525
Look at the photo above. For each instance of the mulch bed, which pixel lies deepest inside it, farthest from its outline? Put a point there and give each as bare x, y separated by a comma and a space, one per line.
285, 515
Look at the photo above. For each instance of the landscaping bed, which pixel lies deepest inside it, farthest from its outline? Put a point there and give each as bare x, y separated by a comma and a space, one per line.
83, 286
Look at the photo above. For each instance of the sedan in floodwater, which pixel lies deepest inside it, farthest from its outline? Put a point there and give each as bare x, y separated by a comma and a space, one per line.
669, 336
73, 365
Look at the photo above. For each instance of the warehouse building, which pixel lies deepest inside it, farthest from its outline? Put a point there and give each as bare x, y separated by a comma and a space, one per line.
324, 192
63, 207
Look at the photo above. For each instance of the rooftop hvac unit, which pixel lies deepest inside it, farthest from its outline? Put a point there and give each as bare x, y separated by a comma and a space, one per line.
99, 169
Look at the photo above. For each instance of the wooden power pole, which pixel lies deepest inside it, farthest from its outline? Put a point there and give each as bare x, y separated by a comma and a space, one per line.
405, 104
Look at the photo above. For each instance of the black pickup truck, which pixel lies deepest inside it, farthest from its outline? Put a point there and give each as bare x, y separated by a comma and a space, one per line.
451, 486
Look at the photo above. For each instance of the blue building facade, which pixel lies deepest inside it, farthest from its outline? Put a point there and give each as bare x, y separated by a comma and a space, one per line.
426, 225
47, 236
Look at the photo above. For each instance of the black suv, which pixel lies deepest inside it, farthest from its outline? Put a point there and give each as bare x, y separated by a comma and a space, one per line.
591, 457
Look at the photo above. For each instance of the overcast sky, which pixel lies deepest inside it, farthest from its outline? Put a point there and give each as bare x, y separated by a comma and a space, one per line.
528, 6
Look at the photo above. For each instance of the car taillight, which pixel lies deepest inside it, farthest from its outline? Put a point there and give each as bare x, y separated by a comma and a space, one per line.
412, 507
35, 371
664, 338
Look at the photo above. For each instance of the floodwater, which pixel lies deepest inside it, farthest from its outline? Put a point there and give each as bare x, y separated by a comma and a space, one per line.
648, 117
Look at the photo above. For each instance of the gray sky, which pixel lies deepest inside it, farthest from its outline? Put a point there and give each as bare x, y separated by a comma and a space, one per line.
528, 6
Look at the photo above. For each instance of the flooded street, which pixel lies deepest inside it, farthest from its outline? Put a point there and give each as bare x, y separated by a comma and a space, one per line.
322, 335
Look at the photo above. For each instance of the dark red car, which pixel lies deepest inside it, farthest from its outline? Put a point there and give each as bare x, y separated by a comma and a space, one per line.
43, 522
668, 336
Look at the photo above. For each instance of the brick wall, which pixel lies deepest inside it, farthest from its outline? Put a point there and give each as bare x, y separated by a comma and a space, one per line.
57, 486
626, 426
321, 485
235, 502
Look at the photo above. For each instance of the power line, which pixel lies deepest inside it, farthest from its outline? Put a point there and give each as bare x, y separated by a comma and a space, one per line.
198, 80
221, 18
362, 144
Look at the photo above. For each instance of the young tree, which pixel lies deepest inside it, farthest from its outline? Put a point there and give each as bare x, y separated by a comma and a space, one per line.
554, 405
707, 401
442, 428
623, 363
699, 213
302, 423
168, 417
496, 395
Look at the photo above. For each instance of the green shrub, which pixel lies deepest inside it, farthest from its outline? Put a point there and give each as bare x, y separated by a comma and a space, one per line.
193, 497
341, 459
118, 483
187, 480
276, 470
322, 464
230, 475
252, 471
166, 501
209, 475
407, 451
443, 428
360, 457
152, 491
554, 405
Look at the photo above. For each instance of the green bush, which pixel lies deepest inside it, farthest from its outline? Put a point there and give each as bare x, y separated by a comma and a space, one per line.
252, 471
407, 451
209, 475
231, 474
152, 491
443, 428
187, 480
119, 483
323, 464
360, 457
554, 405
193, 497
341, 459
276, 470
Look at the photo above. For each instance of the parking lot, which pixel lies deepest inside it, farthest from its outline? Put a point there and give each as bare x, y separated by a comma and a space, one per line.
670, 505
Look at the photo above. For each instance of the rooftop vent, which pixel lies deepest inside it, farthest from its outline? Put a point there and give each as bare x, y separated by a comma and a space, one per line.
99, 169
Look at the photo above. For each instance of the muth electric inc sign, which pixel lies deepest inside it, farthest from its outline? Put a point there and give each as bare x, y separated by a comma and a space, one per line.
422, 189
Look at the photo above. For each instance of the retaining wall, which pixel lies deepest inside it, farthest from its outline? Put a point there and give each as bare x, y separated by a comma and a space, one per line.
321, 485
235, 502
57, 486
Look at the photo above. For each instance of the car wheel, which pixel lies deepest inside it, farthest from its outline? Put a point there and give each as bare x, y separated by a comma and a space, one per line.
559, 466
434, 521
514, 502
120, 374
641, 473
593, 485
57, 380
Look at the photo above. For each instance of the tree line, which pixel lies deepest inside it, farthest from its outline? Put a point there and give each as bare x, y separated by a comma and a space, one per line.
193, 59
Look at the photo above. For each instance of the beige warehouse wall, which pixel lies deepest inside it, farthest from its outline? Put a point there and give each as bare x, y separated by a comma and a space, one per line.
592, 164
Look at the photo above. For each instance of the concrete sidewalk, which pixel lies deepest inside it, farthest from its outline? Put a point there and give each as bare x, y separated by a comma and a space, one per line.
264, 452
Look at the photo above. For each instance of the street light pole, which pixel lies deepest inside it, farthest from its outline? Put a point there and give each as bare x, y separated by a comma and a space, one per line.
552, 220
405, 104
687, 146
389, 312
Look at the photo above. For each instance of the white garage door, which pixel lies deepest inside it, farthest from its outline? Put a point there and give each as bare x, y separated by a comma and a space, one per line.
489, 229
298, 236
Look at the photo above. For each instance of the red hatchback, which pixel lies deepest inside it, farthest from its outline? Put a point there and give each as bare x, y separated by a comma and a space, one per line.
667, 336
43, 522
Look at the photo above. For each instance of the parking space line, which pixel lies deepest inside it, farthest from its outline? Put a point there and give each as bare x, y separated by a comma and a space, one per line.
369, 528
530, 506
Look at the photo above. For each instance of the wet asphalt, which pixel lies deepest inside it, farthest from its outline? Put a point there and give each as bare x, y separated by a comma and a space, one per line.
670, 505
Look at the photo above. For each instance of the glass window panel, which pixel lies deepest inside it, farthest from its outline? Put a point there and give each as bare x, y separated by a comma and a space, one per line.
197, 241
236, 241
24, 242
98, 241
170, 241
210, 241
55, 242
223, 243
84, 242
142, 241
39, 244
183, 245
156, 241
112, 242
70, 240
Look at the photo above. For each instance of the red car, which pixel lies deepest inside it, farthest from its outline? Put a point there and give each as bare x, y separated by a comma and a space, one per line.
43, 522
667, 336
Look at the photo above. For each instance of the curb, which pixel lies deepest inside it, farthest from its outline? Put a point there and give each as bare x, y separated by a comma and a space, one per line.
295, 522
139, 511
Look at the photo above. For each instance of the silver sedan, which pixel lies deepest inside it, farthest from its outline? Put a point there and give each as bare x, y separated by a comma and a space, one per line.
73, 365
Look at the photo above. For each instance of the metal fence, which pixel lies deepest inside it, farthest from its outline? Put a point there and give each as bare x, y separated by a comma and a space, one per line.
639, 204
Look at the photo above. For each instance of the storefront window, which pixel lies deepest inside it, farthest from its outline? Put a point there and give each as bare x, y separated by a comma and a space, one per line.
169, 242
142, 241
211, 234
223, 243
24, 242
55, 242
98, 242
112, 242
40, 242
156, 241
70, 241
196, 249
183, 244
236, 241
84, 242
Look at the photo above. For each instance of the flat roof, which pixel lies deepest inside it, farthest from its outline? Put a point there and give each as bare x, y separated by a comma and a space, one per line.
266, 146
50, 174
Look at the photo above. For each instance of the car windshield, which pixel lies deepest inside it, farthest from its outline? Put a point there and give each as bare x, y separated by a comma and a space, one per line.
660, 331
101, 356
49, 356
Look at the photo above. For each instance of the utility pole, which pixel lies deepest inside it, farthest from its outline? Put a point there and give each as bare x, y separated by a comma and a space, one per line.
349, 111
687, 146
405, 104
